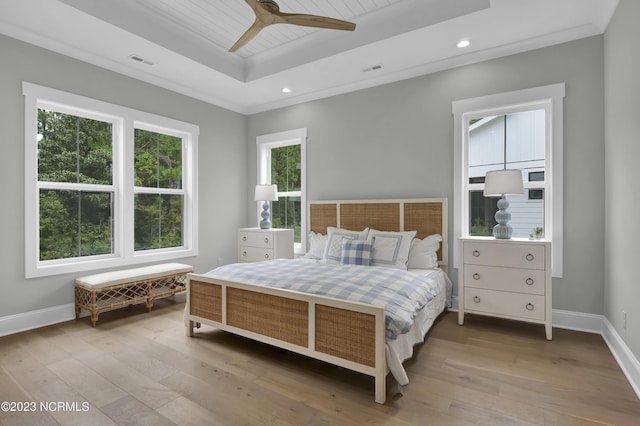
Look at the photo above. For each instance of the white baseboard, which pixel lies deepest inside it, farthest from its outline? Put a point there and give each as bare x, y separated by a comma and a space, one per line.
627, 361
34, 319
578, 321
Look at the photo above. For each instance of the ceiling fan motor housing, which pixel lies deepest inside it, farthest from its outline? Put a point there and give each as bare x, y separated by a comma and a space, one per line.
271, 5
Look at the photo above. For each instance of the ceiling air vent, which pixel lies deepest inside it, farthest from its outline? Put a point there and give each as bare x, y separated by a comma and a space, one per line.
372, 68
140, 59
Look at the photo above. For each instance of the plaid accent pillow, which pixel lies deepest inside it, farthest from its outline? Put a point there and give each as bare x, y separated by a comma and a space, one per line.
355, 252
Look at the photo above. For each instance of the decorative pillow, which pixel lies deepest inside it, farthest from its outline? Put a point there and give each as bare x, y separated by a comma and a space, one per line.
391, 249
355, 252
333, 248
423, 253
317, 243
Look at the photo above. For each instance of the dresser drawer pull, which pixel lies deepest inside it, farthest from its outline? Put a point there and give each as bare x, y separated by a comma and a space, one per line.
529, 281
266, 240
244, 238
529, 257
476, 276
475, 253
244, 253
476, 299
529, 307
266, 256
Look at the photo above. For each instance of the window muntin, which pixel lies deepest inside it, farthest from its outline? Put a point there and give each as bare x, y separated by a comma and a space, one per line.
81, 191
281, 161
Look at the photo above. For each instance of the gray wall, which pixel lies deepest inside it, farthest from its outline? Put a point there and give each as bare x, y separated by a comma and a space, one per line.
396, 141
622, 124
222, 156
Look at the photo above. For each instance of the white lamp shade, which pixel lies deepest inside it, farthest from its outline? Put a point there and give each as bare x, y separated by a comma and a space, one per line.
266, 193
503, 182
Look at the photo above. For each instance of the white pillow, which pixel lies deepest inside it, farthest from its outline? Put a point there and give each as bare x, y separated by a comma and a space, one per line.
391, 249
333, 248
317, 243
423, 253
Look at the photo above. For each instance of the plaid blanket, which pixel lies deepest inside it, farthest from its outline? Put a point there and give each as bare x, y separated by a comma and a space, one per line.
401, 293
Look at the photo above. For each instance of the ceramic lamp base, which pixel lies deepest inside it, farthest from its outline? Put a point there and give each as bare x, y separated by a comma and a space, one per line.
502, 231
265, 223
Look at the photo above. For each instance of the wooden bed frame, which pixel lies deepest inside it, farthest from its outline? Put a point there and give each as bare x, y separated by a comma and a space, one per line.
347, 334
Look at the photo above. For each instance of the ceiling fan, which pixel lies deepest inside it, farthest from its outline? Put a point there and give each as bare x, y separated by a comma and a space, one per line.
268, 13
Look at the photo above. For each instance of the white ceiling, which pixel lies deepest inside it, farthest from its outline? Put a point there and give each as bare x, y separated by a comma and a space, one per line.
184, 43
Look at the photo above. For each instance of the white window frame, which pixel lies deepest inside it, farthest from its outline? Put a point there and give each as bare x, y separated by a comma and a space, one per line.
124, 121
550, 98
265, 143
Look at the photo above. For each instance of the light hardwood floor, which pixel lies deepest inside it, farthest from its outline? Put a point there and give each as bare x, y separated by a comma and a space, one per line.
140, 368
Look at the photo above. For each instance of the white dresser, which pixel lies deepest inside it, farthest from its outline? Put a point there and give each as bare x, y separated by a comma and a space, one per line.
505, 278
255, 244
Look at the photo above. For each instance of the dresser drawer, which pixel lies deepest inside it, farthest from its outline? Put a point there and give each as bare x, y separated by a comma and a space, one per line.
530, 281
528, 256
256, 239
516, 305
254, 254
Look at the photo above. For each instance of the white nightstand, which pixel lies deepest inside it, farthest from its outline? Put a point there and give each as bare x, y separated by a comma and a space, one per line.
255, 244
505, 278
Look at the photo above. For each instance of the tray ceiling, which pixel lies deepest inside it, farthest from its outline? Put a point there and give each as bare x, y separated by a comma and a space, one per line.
182, 45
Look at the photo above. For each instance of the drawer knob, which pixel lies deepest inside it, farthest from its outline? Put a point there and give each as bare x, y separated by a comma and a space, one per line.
266, 240
244, 238
476, 276
529, 307
476, 299
475, 253
529, 281
266, 256
244, 253
529, 256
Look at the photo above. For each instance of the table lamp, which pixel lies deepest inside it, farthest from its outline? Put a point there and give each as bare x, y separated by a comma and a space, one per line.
266, 193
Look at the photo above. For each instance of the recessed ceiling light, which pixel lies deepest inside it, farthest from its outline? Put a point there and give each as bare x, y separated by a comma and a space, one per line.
286, 90
463, 43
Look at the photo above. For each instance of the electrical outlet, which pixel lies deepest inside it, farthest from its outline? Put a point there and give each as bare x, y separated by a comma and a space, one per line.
624, 320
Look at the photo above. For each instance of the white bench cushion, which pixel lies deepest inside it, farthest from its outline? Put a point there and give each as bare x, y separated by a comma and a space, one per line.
107, 279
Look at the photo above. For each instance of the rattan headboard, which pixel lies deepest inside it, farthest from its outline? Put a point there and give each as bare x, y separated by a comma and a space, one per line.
425, 215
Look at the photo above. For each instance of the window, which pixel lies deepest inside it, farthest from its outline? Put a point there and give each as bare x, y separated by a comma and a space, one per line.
105, 185
516, 130
281, 161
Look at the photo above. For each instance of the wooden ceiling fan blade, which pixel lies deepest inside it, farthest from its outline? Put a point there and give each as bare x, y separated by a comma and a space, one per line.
315, 21
248, 35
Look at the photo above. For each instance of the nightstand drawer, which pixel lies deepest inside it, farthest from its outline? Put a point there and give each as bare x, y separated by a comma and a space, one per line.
516, 305
256, 239
528, 256
531, 281
254, 254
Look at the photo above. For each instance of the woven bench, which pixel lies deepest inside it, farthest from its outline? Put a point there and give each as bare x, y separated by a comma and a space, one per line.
109, 290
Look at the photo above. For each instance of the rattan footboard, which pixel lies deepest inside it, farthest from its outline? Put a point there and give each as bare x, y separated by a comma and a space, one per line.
348, 334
